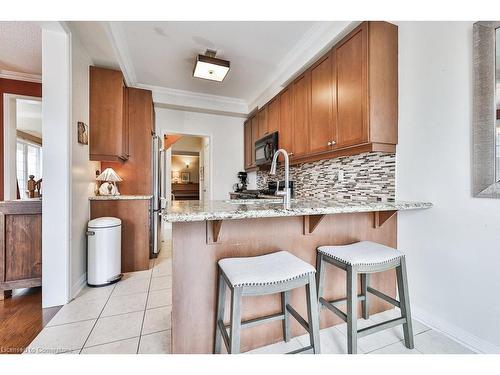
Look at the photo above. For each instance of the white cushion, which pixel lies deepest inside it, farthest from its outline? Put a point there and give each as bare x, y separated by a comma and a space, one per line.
265, 269
361, 253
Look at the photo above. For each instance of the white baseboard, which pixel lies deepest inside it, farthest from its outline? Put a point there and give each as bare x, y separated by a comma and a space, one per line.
467, 339
77, 287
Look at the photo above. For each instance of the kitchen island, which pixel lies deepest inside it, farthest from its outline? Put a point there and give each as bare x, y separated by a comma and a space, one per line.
203, 233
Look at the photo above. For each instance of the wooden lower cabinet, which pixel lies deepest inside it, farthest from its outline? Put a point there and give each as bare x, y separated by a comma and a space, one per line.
135, 217
20, 244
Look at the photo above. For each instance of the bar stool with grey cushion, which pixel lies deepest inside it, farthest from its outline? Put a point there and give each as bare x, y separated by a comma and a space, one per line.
365, 258
278, 272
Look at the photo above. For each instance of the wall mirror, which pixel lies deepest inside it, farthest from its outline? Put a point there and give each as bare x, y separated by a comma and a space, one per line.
486, 110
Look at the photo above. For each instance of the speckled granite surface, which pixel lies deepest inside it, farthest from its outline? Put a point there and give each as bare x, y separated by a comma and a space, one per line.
119, 197
183, 211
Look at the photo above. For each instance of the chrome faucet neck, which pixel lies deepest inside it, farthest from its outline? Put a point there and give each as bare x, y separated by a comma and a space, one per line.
285, 193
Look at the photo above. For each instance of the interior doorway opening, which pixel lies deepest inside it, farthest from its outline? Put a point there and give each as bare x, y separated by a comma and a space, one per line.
187, 167
23, 167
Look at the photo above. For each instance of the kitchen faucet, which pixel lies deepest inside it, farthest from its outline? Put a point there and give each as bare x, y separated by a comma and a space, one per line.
285, 193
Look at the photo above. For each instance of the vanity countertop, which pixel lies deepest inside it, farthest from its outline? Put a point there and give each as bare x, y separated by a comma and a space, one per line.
119, 197
184, 211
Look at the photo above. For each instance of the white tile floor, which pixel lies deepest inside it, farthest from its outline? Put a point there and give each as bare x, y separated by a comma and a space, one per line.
131, 316
134, 316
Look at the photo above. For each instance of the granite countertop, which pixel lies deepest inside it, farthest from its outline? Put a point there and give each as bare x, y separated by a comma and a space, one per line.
183, 211
119, 197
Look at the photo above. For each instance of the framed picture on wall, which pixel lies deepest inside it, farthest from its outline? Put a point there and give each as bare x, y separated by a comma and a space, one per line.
83, 133
185, 177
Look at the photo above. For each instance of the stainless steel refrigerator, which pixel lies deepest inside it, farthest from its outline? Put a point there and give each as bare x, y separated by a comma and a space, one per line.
159, 188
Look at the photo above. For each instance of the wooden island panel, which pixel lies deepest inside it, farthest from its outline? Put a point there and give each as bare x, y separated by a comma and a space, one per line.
195, 273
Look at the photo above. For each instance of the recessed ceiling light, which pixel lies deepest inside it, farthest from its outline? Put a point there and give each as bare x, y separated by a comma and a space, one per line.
209, 67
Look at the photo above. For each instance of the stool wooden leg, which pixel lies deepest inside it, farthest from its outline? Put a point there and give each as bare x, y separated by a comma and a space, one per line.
221, 303
312, 314
404, 300
365, 279
235, 321
285, 300
352, 310
320, 276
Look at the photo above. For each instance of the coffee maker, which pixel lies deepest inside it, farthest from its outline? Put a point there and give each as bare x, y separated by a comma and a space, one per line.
242, 184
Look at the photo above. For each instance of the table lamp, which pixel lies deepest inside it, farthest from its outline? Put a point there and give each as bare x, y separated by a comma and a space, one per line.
110, 178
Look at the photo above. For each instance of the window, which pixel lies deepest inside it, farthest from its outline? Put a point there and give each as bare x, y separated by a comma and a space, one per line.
28, 162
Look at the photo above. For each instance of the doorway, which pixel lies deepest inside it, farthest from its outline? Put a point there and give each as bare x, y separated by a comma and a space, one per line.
23, 147
187, 167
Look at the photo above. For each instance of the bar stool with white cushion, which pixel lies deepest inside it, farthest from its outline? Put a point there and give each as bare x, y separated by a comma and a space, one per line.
278, 272
365, 258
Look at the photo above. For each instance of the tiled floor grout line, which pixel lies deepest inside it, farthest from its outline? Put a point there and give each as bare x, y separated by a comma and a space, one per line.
145, 308
92, 329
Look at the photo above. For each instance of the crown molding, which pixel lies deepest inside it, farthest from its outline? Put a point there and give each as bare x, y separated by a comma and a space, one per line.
208, 103
319, 39
116, 36
17, 76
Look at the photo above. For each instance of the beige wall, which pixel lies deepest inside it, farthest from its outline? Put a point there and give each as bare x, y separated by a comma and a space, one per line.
179, 165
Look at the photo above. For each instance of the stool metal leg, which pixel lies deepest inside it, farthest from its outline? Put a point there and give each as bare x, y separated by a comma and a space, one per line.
312, 314
352, 310
221, 302
235, 321
285, 300
404, 299
365, 279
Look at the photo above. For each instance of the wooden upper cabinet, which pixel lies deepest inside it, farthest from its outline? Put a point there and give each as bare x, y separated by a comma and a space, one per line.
301, 92
365, 69
247, 128
350, 57
108, 127
273, 115
255, 135
321, 129
285, 135
263, 130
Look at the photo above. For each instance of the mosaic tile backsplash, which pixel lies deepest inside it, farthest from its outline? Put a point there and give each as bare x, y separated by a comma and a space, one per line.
369, 175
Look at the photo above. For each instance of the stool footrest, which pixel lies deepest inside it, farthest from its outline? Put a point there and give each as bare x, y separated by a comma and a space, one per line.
381, 326
256, 321
383, 296
333, 309
301, 350
298, 318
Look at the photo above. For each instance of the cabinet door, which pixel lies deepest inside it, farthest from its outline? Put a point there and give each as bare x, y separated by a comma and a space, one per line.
255, 135
321, 126
273, 115
351, 90
263, 122
248, 143
107, 126
285, 135
301, 114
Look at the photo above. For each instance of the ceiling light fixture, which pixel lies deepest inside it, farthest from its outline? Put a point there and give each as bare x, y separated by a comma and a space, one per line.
209, 67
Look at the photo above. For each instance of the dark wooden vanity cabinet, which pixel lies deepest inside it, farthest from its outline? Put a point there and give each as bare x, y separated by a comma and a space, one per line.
108, 127
346, 103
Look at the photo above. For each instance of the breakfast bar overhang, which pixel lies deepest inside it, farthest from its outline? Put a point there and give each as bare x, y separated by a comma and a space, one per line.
203, 233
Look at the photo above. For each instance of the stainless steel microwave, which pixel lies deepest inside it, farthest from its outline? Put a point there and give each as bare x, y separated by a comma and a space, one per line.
265, 149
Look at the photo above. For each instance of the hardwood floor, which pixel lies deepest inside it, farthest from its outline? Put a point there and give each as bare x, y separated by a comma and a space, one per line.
21, 319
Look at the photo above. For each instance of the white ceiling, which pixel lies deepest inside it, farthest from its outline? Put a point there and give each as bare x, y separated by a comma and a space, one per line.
21, 50
163, 53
